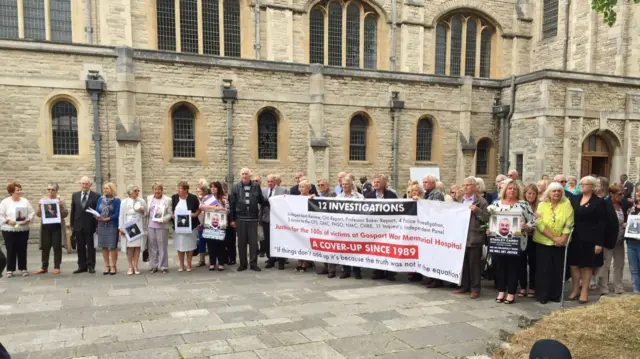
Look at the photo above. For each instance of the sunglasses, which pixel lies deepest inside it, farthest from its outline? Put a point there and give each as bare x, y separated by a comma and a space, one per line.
51, 189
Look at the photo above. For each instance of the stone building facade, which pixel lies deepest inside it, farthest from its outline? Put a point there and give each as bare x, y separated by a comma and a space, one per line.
320, 86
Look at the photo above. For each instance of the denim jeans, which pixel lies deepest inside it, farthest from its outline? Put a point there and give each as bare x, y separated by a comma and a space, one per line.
633, 253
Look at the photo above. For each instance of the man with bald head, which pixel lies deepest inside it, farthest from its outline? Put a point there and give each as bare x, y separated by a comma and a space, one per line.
513, 174
338, 189
295, 190
563, 181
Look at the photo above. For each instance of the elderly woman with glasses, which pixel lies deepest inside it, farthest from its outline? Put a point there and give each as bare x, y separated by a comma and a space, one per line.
159, 222
15, 215
554, 220
52, 234
109, 208
132, 209
585, 249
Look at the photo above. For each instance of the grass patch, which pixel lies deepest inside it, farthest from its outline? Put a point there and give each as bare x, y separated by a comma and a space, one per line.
607, 329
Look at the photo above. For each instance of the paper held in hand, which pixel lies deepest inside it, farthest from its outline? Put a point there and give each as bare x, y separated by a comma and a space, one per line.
93, 212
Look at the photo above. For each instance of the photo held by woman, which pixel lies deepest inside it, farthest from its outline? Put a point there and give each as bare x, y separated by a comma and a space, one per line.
52, 235
132, 211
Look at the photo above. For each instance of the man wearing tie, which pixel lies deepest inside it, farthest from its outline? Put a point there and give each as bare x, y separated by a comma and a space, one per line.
83, 225
272, 190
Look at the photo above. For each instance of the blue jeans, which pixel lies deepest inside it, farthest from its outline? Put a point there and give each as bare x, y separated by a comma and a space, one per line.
633, 253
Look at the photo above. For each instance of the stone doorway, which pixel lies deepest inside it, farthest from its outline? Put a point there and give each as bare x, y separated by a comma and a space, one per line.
596, 156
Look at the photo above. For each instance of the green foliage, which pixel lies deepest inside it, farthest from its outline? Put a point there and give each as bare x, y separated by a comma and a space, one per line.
607, 9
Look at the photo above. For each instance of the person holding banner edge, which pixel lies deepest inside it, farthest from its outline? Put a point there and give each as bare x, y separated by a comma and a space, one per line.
349, 191
554, 221
272, 190
379, 192
476, 239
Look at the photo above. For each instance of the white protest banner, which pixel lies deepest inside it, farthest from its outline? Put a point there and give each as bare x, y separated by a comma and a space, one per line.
427, 237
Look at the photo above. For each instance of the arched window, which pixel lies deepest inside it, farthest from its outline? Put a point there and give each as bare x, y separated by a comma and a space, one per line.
424, 140
471, 57
549, 18
358, 138
482, 157
35, 18
201, 28
351, 36
64, 126
267, 136
184, 139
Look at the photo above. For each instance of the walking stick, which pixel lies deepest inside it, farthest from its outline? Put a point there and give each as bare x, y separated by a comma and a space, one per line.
564, 268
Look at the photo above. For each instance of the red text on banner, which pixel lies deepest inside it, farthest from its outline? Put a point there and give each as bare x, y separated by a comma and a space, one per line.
370, 248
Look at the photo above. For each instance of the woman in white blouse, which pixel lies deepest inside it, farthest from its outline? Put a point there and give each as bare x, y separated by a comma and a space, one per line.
15, 215
511, 200
132, 209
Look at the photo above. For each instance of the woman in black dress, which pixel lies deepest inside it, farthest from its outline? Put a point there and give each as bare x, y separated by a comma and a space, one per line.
585, 249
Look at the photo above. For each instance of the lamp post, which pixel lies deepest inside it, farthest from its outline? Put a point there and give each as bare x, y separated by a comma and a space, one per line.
229, 97
95, 85
396, 106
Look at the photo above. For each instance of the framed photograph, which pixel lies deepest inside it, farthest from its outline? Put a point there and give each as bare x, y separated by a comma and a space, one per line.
633, 227
215, 224
21, 214
133, 231
50, 209
503, 224
505, 236
157, 213
183, 222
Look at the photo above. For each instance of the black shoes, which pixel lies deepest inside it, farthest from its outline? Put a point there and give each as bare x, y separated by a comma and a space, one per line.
255, 268
357, 275
345, 275
92, 270
377, 275
242, 268
80, 270
332, 275
269, 264
281, 266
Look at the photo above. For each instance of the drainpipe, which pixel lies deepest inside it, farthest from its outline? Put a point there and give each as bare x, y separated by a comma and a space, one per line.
565, 54
256, 43
393, 36
88, 29
229, 97
95, 85
506, 125
396, 108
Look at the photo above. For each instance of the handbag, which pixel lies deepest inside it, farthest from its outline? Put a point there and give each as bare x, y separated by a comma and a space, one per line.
145, 255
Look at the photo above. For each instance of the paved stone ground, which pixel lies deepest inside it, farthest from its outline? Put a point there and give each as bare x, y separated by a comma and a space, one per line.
229, 315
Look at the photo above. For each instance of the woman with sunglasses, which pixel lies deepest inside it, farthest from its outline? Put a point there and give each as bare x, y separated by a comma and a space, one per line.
51, 235
554, 220
132, 209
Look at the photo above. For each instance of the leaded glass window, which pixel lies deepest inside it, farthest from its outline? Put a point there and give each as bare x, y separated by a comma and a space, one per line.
267, 136
335, 34
351, 35
60, 12
231, 28
370, 42
64, 126
358, 139
476, 49
441, 49
211, 27
9, 18
195, 28
549, 19
33, 15
189, 26
424, 140
316, 30
470, 54
482, 157
184, 141
166, 13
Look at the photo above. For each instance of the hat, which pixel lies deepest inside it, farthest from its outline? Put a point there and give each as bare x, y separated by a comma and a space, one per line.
549, 349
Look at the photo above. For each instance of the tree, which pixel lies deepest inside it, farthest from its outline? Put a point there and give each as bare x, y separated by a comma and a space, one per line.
606, 8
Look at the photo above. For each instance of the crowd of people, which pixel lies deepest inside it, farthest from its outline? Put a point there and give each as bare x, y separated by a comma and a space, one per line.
589, 216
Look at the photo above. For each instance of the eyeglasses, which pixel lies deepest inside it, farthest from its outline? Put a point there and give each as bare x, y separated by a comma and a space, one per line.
137, 191
51, 189
563, 181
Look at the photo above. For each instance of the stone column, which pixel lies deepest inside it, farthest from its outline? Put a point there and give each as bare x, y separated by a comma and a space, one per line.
466, 143
128, 146
318, 153
279, 25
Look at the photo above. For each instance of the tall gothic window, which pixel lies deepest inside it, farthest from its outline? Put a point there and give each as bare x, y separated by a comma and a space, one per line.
343, 35
267, 136
549, 18
424, 140
184, 139
358, 138
471, 57
202, 29
64, 126
35, 19
482, 157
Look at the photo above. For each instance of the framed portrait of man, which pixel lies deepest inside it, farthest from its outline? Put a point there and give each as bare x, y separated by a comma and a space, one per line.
215, 224
21, 214
133, 231
50, 209
633, 227
183, 222
505, 236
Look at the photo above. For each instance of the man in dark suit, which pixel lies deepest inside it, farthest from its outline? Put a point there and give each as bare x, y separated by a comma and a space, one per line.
271, 190
295, 190
628, 188
379, 192
83, 225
